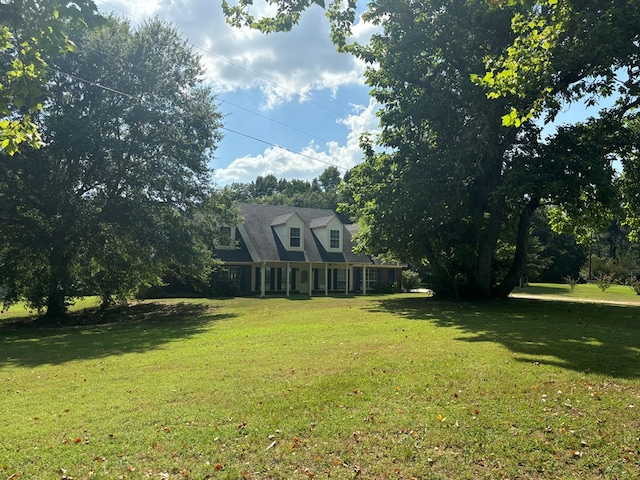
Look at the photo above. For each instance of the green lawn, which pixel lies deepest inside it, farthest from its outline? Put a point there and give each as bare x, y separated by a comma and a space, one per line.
583, 292
376, 387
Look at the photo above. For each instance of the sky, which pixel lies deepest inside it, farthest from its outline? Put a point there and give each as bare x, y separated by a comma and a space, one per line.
293, 105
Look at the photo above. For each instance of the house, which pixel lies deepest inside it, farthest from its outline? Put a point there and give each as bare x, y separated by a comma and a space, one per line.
281, 250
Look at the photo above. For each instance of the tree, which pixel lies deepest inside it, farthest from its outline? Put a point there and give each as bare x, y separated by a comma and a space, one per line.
563, 253
460, 168
32, 33
630, 181
330, 179
299, 193
265, 186
121, 193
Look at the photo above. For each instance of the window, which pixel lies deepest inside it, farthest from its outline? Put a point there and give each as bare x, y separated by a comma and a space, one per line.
372, 279
226, 236
234, 274
334, 239
294, 237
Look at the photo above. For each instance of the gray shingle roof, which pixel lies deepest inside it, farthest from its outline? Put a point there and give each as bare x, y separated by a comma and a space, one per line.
259, 222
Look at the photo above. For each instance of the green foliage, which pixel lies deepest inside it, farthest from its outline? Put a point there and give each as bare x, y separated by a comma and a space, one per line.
32, 34
630, 181
601, 266
321, 192
460, 168
561, 251
121, 193
572, 282
605, 281
330, 179
411, 279
288, 14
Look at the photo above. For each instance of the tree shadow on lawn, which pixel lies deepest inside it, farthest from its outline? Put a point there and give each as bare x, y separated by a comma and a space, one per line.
595, 338
89, 334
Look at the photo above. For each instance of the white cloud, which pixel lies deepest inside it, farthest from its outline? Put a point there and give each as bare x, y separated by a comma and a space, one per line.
286, 66
312, 160
288, 69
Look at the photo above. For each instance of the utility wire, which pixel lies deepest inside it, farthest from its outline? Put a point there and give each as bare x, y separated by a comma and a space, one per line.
248, 110
270, 82
285, 149
275, 121
240, 67
142, 102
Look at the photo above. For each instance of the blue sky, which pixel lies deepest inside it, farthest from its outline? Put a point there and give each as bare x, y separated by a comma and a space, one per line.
292, 104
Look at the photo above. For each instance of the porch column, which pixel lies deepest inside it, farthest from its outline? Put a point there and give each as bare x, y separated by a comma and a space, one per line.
263, 279
310, 278
326, 279
288, 278
346, 279
364, 279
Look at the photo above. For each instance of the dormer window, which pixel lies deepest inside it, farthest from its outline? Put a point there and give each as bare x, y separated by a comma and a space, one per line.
334, 239
226, 239
328, 230
294, 237
290, 230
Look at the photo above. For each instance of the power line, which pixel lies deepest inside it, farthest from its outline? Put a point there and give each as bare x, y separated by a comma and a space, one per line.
240, 67
275, 121
248, 110
270, 82
284, 148
142, 102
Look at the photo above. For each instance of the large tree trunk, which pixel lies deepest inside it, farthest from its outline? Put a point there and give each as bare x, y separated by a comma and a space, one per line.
486, 250
56, 305
59, 271
520, 257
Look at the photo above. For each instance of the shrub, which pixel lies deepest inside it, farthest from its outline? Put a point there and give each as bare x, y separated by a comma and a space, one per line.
635, 284
571, 281
410, 280
605, 280
389, 287
602, 266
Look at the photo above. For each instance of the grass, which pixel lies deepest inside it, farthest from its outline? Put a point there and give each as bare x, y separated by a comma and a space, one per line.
582, 292
380, 387
21, 311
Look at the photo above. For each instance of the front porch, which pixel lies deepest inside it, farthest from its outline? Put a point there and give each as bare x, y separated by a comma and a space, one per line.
296, 278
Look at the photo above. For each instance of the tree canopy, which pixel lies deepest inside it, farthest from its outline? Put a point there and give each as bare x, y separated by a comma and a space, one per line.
321, 192
461, 165
121, 192
32, 34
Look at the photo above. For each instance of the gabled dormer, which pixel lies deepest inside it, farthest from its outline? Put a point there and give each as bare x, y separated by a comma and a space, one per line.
227, 237
290, 231
330, 231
